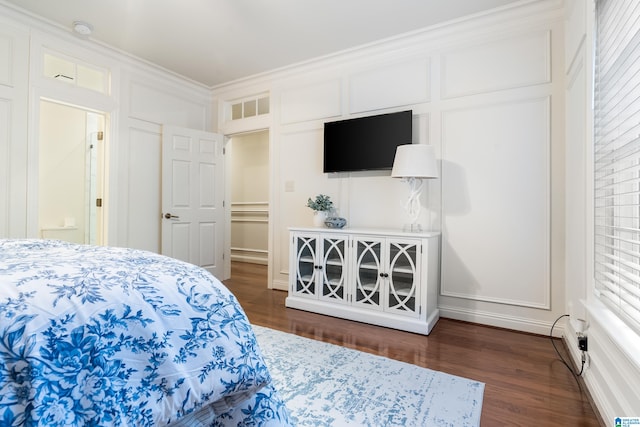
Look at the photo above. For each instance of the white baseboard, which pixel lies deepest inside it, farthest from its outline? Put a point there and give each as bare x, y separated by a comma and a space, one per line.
598, 395
280, 285
250, 259
501, 321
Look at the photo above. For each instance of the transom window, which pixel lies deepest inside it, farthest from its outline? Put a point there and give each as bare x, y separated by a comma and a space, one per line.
248, 107
75, 73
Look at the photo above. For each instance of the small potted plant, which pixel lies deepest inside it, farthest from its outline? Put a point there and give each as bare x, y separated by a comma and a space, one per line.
321, 206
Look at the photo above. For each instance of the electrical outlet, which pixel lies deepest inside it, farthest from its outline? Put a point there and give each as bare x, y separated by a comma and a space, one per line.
585, 360
582, 343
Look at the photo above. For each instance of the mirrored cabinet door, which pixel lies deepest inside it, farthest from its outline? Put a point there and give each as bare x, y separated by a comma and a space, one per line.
334, 269
306, 271
403, 277
368, 270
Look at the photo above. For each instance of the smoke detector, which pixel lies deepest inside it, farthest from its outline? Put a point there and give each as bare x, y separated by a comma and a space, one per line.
82, 28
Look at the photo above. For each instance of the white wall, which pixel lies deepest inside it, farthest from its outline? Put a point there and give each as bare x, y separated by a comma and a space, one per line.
504, 231
488, 93
148, 102
141, 99
613, 357
14, 97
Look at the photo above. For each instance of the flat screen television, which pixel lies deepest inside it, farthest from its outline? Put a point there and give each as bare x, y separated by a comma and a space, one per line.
365, 143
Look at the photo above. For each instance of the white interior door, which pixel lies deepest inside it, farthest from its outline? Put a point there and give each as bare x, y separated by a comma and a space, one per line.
192, 197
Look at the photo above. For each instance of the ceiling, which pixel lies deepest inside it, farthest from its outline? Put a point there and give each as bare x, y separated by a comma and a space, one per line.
217, 41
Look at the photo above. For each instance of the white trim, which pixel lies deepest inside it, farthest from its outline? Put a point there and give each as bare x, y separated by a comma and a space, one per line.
258, 251
249, 259
249, 203
364, 315
509, 17
279, 285
611, 371
546, 249
521, 324
626, 340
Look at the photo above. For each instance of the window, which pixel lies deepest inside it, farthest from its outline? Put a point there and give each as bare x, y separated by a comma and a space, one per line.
75, 73
250, 107
617, 158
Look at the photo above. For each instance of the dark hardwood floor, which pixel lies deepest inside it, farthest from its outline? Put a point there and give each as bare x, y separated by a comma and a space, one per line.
526, 382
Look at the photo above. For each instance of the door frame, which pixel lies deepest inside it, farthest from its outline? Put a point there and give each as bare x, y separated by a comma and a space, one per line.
227, 197
99, 104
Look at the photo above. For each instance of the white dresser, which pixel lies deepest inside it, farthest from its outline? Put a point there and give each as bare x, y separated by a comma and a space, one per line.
383, 277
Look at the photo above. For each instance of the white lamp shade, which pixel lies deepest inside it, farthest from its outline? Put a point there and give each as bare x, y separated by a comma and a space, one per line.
414, 161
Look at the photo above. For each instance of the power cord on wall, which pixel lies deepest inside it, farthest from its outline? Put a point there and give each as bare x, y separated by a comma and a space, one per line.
575, 375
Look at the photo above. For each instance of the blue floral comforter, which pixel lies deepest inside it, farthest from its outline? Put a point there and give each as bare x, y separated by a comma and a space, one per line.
101, 336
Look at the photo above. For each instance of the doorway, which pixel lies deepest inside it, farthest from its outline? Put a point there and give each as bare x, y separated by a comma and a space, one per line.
71, 173
249, 175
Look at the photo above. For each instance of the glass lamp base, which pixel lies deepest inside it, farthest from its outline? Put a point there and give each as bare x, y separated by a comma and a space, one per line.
413, 228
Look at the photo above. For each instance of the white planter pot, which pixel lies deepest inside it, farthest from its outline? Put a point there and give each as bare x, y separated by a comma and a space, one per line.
319, 217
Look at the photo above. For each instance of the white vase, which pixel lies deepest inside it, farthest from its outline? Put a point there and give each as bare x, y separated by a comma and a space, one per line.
319, 217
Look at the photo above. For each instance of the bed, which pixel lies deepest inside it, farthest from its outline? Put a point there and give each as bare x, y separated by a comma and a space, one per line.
104, 336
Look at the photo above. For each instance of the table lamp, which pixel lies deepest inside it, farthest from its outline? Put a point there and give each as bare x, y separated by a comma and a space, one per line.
414, 163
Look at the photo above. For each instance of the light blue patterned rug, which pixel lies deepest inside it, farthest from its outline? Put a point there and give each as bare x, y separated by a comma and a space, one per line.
328, 385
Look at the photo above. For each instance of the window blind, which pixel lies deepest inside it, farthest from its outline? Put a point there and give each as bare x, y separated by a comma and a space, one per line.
617, 157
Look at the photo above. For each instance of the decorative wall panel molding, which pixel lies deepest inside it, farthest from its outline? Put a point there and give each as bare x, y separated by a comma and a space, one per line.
150, 104
394, 85
143, 205
577, 180
498, 319
16, 168
5, 123
576, 18
503, 64
6, 60
299, 165
207, 232
311, 102
496, 203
